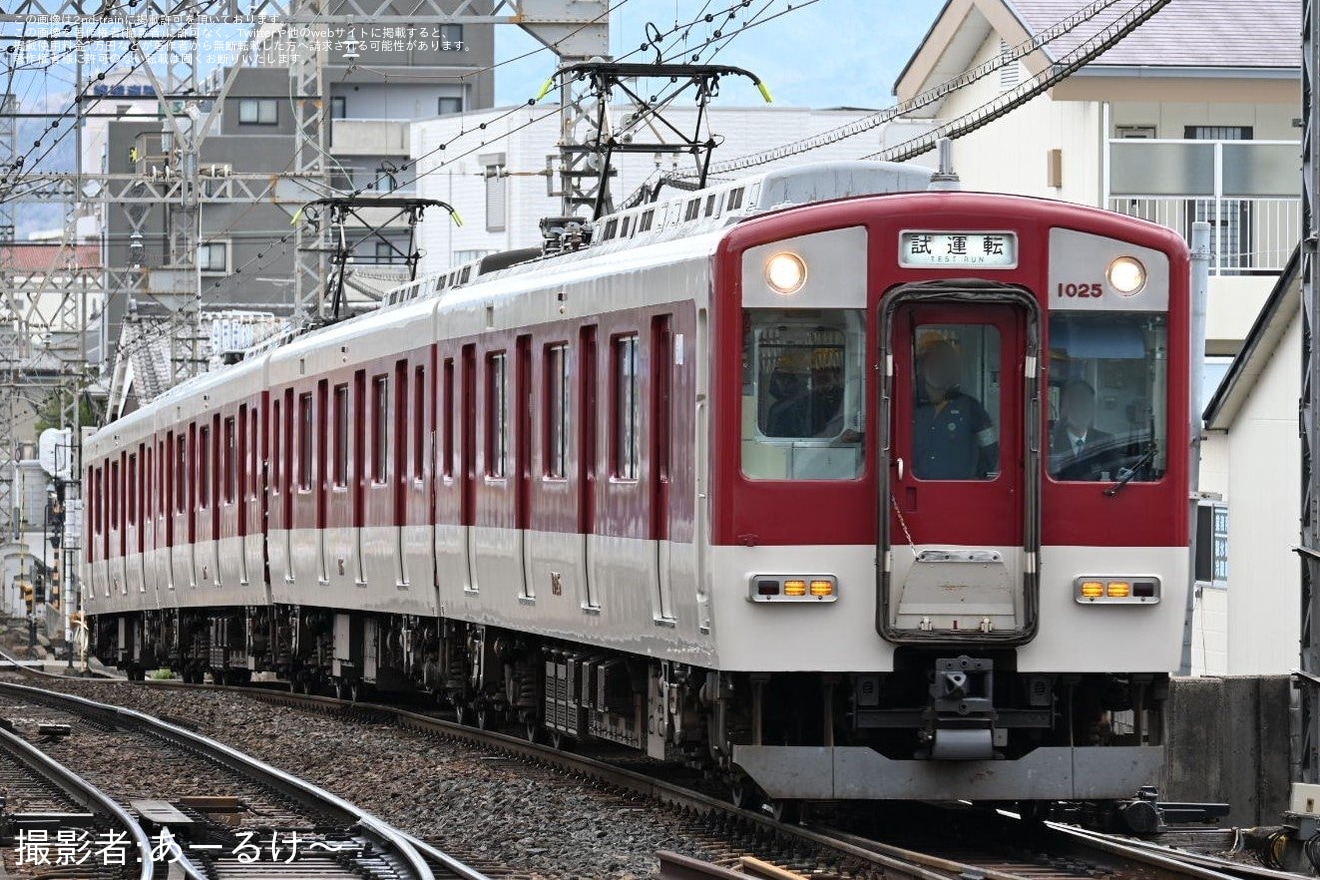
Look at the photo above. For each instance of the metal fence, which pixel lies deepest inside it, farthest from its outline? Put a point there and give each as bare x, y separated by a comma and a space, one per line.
1245, 190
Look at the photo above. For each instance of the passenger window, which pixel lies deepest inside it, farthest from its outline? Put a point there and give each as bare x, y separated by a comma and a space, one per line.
380, 424
204, 467
556, 411
497, 415
230, 458
804, 394
305, 441
181, 475
340, 476
956, 402
627, 410
1108, 393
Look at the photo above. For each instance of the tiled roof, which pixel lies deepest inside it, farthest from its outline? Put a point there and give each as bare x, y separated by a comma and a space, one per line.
44, 257
1185, 33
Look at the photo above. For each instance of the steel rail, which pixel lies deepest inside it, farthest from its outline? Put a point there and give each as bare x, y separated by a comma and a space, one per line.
383, 834
83, 793
1195, 865
908, 863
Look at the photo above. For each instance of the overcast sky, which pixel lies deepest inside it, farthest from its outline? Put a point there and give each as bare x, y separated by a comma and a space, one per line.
827, 54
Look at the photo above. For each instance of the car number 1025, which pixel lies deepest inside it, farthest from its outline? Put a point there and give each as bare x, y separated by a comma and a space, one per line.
1081, 291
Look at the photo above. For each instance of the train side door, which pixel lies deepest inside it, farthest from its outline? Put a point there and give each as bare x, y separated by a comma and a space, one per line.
661, 385
588, 428
960, 464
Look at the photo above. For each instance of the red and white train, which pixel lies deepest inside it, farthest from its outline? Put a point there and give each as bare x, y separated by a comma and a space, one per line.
849, 487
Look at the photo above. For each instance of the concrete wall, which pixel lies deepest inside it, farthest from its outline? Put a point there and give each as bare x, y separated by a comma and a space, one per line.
1264, 494
1229, 740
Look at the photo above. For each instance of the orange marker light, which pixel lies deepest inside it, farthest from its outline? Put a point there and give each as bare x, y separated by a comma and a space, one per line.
1119, 589
795, 588
822, 588
1092, 590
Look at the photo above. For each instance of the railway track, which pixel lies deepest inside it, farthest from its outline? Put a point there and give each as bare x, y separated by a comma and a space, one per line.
43, 797
221, 814
751, 843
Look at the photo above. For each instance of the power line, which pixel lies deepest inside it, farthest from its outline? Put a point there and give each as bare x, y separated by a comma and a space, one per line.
926, 98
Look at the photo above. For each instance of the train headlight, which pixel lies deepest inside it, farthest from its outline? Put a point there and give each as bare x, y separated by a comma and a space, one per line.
1127, 275
1117, 590
785, 272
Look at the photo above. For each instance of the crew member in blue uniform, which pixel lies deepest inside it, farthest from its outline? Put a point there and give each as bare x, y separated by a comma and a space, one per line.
953, 437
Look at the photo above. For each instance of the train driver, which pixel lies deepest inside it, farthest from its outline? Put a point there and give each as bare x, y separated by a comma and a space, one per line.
953, 437
1079, 450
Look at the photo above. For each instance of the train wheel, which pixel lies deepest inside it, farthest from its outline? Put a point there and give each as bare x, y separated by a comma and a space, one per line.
357, 689
341, 689
532, 730
744, 793
483, 718
786, 811
462, 713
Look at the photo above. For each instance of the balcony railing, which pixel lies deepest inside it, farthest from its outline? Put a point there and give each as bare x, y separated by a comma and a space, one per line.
1246, 190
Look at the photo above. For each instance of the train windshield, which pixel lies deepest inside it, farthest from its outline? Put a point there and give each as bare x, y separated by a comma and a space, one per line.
804, 398
1108, 396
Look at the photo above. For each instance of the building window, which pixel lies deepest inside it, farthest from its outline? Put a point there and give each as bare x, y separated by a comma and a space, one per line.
497, 415
1135, 132
213, 257
556, 411
259, 111
380, 415
451, 37
339, 107
447, 105
1212, 544
385, 181
496, 198
341, 435
387, 253
626, 410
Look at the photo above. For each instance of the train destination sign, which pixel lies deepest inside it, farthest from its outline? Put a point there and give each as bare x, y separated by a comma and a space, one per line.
985, 250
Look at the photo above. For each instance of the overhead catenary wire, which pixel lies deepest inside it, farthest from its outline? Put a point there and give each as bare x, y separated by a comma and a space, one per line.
1012, 56
1026, 91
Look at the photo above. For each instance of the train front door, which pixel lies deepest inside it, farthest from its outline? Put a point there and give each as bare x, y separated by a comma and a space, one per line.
960, 456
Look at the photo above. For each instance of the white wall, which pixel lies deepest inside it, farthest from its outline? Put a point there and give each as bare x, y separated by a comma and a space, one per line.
1011, 154
1264, 495
1268, 121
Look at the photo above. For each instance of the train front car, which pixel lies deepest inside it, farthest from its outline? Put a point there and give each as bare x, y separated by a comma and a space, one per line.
950, 517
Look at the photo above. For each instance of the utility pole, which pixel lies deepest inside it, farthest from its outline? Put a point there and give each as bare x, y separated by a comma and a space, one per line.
1308, 676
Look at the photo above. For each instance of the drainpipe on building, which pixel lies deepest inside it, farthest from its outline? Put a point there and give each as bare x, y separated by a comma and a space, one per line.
1196, 355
